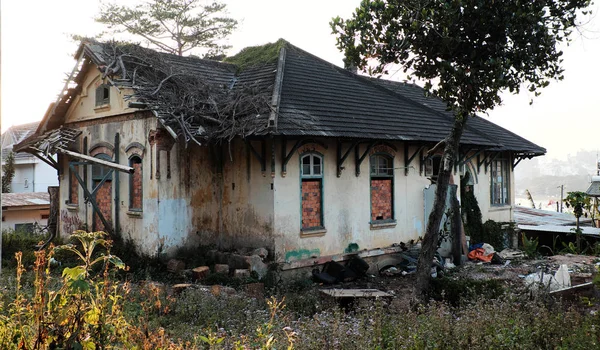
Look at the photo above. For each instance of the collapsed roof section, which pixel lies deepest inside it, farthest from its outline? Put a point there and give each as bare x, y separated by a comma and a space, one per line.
276, 89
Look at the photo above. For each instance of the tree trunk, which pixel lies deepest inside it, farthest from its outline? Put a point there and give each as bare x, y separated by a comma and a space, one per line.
53, 191
578, 235
430, 241
457, 232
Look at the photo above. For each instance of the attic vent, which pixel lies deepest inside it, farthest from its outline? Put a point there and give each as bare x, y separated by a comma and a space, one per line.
102, 95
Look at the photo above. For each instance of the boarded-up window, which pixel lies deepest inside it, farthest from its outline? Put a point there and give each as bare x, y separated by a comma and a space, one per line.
382, 187
135, 184
102, 95
73, 186
312, 191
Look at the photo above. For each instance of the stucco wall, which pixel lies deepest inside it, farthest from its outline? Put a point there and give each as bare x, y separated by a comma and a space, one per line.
141, 227
346, 205
230, 208
23, 216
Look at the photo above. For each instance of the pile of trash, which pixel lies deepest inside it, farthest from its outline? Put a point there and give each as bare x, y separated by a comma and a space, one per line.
334, 272
484, 252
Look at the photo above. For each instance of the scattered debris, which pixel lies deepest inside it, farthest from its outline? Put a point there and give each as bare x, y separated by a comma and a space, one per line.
334, 272
262, 252
510, 254
241, 273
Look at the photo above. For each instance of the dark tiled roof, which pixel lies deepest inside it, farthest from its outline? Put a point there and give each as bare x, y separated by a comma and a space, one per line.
316, 98
508, 141
320, 99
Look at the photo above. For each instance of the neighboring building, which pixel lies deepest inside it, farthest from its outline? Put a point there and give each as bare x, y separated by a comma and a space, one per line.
31, 173
340, 164
21, 211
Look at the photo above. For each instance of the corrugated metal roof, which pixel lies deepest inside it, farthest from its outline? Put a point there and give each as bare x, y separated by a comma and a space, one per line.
530, 216
25, 199
589, 231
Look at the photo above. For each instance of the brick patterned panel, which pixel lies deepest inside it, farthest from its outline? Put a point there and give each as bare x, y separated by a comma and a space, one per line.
74, 190
311, 203
381, 199
136, 184
104, 201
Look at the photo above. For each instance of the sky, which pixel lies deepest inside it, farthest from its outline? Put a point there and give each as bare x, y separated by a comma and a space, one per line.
37, 53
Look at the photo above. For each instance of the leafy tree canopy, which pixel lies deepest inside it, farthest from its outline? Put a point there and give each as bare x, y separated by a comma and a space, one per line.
467, 51
173, 26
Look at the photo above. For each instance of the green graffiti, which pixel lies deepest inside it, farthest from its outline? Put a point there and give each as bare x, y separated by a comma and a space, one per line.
352, 247
301, 254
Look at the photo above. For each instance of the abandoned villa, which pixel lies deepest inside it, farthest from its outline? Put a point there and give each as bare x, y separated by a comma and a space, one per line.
273, 147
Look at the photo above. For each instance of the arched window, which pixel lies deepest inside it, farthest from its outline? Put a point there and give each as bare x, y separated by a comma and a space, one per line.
103, 196
102, 95
311, 173
136, 184
382, 187
99, 171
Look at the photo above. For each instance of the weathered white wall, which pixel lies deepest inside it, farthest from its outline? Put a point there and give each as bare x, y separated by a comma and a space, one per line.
232, 208
23, 216
482, 190
346, 205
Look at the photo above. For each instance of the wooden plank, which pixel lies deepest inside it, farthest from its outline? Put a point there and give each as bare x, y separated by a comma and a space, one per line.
355, 293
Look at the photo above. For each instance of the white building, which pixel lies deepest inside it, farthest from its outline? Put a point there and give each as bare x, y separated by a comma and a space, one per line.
31, 174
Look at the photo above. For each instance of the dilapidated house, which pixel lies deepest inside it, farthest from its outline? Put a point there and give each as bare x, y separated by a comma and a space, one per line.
273, 148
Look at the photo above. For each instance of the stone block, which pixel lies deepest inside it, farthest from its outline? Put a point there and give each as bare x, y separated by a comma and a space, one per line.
200, 272
241, 273
222, 268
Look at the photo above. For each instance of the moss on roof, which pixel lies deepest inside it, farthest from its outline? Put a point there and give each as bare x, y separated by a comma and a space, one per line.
257, 55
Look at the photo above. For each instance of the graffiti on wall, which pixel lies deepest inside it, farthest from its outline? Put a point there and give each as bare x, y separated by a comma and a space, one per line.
70, 222
302, 254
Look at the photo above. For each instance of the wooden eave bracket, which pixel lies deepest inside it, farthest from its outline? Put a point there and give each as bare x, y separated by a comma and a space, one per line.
262, 156
285, 156
342, 157
408, 158
518, 158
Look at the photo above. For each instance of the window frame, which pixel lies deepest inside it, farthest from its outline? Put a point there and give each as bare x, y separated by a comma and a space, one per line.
101, 100
102, 156
505, 182
72, 179
131, 195
377, 175
311, 177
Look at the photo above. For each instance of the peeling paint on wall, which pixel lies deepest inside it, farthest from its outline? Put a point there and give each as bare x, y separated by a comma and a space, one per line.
302, 254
